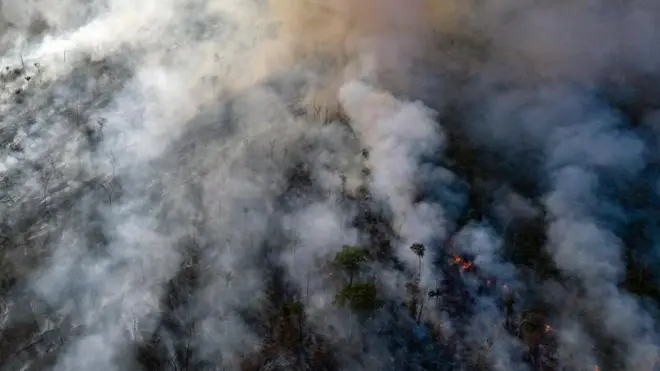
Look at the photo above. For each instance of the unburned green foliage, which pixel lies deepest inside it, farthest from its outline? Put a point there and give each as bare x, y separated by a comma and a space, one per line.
362, 297
351, 258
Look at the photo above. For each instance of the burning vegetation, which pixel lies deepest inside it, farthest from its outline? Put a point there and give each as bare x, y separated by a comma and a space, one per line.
288, 185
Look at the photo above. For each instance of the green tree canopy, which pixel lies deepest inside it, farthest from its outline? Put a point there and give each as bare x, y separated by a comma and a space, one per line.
361, 297
351, 258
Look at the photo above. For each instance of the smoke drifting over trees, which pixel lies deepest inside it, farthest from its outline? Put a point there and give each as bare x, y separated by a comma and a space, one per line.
329, 185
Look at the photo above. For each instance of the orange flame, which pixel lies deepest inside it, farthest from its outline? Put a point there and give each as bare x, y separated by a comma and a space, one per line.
548, 329
464, 264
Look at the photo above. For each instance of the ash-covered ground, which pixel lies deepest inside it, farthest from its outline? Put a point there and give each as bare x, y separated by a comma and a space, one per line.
329, 185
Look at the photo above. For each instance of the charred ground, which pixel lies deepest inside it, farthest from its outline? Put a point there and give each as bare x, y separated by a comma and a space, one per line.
33, 332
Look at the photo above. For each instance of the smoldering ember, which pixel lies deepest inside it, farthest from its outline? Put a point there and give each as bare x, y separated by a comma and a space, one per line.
329, 185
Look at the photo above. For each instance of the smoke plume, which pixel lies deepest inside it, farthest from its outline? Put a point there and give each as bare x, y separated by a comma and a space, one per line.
183, 181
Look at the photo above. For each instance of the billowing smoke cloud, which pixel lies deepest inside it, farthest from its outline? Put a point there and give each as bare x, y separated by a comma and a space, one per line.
178, 176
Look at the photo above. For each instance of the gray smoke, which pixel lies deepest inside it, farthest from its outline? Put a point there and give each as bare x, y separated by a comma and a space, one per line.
175, 173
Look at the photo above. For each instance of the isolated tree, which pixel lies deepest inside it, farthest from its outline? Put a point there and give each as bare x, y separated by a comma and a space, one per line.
361, 297
291, 323
293, 309
419, 250
413, 290
351, 259
509, 302
414, 287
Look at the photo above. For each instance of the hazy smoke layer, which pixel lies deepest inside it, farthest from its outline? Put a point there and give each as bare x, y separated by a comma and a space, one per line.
178, 176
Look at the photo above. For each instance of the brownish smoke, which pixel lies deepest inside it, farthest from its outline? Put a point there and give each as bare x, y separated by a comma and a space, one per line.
377, 38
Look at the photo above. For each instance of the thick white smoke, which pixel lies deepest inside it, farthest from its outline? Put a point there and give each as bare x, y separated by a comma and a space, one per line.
175, 174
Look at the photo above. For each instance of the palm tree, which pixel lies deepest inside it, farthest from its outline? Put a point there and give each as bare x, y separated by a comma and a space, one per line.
419, 250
